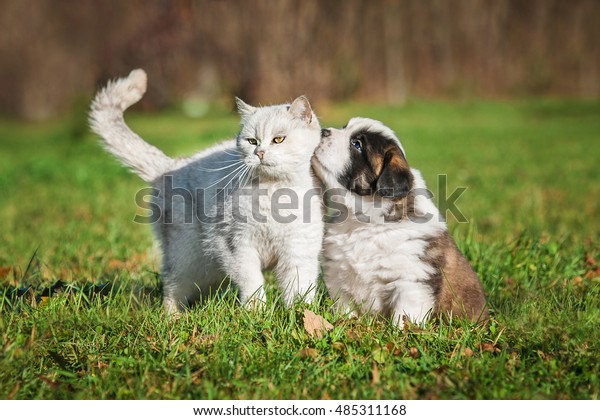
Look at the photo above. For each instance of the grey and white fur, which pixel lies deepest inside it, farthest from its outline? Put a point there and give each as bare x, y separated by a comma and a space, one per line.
271, 152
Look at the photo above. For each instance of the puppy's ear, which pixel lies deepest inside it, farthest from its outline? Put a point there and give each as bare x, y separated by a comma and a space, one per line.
301, 109
395, 180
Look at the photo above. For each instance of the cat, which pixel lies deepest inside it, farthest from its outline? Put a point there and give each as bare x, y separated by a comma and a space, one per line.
220, 210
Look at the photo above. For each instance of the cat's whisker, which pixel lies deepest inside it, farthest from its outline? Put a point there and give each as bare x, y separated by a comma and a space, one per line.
231, 174
226, 190
248, 176
231, 157
235, 181
235, 153
227, 160
221, 168
225, 177
239, 180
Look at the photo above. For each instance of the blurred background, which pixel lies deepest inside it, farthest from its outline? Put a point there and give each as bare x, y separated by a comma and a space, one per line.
499, 99
501, 95
54, 54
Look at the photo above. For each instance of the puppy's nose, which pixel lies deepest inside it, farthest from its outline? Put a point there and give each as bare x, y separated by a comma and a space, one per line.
325, 132
260, 154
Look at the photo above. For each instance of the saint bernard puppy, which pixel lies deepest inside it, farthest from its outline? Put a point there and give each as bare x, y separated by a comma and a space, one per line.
387, 249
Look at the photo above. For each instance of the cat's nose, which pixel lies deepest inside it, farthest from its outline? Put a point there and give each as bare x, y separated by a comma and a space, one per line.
325, 132
260, 154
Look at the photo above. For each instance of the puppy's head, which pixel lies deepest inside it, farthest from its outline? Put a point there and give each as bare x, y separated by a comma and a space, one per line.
365, 157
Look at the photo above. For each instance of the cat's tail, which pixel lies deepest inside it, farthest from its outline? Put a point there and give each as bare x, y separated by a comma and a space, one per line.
106, 120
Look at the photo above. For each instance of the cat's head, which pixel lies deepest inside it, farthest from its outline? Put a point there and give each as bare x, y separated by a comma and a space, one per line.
278, 141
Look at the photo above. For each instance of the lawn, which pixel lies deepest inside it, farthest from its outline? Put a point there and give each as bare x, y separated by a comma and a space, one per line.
80, 299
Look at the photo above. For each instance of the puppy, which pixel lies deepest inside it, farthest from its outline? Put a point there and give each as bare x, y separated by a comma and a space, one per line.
387, 249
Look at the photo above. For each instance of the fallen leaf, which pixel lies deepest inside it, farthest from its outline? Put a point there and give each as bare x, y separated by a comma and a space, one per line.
4, 272
308, 353
467, 352
379, 354
207, 340
44, 301
50, 382
339, 346
591, 262
115, 264
375, 374
32, 337
414, 352
315, 325
543, 355
488, 347
14, 391
352, 335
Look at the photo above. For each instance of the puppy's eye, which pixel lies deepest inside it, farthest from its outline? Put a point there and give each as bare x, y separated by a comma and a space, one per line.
253, 142
278, 139
357, 144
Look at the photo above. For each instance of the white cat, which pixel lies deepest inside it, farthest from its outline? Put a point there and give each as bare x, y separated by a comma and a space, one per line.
231, 211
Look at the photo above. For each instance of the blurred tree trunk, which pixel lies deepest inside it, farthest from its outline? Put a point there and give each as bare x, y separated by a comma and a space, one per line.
53, 52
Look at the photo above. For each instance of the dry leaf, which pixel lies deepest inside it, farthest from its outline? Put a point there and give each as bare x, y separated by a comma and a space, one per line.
375, 374
339, 346
308, 352
44, 301
591, 262
50, 382
102, 365
315, 325
488, 347
4, 272
14, 391
115, 264
414, 352
352, 335
543, 355
467, 352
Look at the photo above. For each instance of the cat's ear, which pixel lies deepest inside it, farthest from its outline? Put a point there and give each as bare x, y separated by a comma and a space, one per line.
300, 108
243, 108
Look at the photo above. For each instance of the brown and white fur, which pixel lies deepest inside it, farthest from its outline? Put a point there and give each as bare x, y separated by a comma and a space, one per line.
387, 249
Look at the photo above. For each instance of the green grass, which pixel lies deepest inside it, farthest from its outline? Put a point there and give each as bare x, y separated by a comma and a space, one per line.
66, 211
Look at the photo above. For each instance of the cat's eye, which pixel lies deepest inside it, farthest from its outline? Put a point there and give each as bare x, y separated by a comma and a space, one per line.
278, 139
357, 144
253, 142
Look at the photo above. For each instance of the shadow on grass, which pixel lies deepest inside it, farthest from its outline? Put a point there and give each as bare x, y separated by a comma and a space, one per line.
87, 292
